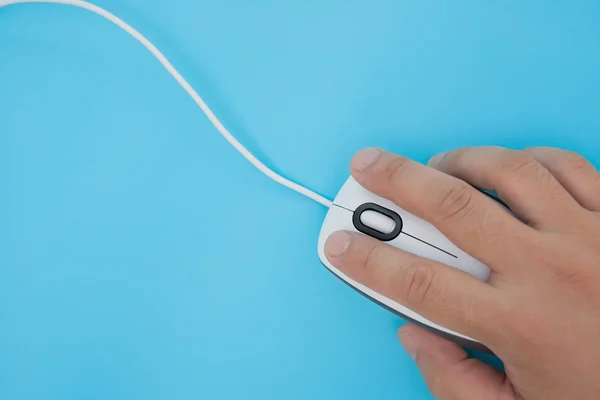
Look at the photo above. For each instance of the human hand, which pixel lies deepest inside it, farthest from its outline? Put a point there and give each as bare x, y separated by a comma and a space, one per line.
539, 312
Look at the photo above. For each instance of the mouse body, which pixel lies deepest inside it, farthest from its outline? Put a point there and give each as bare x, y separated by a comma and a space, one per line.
359, 210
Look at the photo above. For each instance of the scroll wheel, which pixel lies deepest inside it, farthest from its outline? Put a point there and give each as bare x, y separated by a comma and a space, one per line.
377, 221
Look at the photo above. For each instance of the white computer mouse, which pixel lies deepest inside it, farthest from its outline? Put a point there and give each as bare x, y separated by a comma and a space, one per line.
357, 209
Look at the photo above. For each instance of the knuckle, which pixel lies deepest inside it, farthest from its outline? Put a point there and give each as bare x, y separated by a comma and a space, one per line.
517, 163
377, 262
394, 169
370, 259
575, 162
455, 202
419, 281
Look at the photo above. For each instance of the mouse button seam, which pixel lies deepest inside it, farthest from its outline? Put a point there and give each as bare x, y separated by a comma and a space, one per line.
428, 244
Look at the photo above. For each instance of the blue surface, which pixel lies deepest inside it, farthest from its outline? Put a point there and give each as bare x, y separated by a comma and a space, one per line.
142, 257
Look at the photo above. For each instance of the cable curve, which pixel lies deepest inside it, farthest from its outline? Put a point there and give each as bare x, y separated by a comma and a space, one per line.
188, 88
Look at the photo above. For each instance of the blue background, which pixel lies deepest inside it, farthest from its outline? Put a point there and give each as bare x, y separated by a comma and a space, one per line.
142, 257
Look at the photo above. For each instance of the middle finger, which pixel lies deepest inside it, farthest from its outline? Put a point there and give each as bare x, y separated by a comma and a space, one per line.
469, 219
530, 190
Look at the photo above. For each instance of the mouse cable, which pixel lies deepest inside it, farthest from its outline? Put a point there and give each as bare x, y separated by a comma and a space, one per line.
188, 88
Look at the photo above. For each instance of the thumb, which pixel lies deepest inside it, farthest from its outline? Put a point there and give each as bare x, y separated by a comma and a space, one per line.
448, 372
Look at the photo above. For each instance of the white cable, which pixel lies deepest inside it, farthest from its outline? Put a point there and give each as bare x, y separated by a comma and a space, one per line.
188, 88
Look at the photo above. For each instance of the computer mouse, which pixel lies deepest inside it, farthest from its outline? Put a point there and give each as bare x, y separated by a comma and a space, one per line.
357, 209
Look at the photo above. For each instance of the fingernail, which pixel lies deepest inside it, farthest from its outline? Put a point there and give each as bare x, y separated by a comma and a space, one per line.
409, 344
337, 243
364, 158
435, 160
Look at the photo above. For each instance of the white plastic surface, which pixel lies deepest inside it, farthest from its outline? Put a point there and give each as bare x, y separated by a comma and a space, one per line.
339, 217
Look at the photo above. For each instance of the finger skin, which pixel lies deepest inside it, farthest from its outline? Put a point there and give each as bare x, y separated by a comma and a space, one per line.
447, 370
575, 173
529, 189
442, 294
471, 220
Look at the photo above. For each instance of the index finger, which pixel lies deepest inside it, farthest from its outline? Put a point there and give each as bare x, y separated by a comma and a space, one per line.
469, 219
445, 296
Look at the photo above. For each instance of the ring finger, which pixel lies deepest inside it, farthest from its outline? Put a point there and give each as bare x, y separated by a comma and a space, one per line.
529, 189
576, 174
